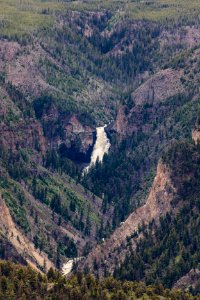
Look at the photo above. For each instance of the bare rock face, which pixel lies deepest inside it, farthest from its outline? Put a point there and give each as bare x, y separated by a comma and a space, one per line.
8, 50
120, 124
155, 90
159, 87
63, 131
8, 251
196, 135
191, 279
21, 243
189, 36
78, 140
20, 64
68, 134
157, 204
23, 135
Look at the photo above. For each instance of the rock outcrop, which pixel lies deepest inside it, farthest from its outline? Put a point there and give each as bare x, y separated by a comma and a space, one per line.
23, 135
120, 124
79, 139
196, 134
74, 141
158, 203
162, 85
190, 280
24, 247
188, 36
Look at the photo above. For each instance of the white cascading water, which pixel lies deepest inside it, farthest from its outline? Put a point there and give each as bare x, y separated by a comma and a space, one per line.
101, 147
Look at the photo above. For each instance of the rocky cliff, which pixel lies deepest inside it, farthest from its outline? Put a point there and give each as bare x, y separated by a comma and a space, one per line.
159, 87
23, 246
196, 134
92, 66
113, 250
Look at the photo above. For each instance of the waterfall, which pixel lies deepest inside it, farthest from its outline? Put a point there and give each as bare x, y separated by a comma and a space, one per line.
101, 147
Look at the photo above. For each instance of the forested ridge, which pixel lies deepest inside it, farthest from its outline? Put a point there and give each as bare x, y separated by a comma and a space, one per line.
171, 250
66, 68
19, 282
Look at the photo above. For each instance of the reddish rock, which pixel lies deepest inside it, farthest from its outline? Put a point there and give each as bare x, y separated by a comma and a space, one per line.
157, 204
120, 125
162, 85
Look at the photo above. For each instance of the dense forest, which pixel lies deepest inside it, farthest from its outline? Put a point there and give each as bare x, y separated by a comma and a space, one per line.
171, 250
67, 68
127, 172
17, 282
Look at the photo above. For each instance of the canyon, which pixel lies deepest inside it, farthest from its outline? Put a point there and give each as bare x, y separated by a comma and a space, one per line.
72, 187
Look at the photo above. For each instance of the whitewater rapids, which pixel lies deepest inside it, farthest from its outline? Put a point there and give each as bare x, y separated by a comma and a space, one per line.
67, 267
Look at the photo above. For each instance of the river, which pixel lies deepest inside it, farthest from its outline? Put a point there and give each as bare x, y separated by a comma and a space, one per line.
67, 267
101, 147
